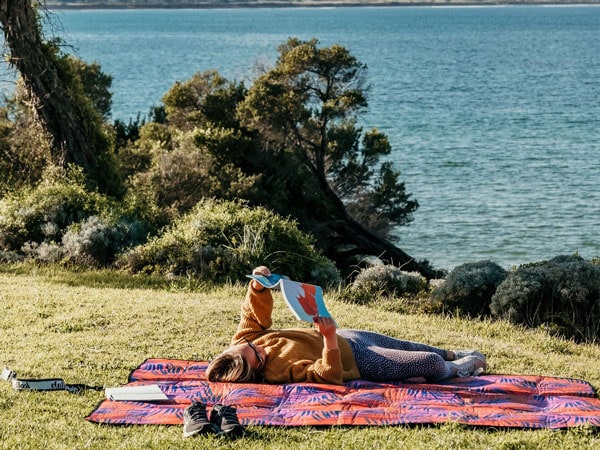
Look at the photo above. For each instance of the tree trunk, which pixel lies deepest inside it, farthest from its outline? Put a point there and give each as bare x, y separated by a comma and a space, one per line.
343, 239
360, 241
49, 95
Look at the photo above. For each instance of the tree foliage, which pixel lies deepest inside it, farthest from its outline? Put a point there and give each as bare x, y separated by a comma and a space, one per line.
25, 146
308, 106
205, 99
288, 142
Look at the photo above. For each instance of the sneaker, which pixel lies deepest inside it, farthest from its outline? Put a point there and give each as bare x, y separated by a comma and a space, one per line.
460, 354
468, 366
225, 418
196, 422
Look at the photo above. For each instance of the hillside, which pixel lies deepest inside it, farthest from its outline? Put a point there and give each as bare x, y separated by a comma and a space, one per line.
95, 327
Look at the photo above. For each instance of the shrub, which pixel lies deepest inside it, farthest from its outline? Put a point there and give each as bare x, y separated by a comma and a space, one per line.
381, 279
138, 155
24, 149
469, 288
223, 240
96, 241
43, 213
562, 294
10, 257
45, 252
59, 220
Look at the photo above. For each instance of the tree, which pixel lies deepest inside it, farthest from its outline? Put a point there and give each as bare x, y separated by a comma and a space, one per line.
54, 89
305, 112
289, 143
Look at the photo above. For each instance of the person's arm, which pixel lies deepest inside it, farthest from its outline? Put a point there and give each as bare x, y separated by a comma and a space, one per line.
256, 309
328, 369
326, 326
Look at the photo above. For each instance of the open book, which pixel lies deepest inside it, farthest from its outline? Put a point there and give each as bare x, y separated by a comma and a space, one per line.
305, 300
145, 393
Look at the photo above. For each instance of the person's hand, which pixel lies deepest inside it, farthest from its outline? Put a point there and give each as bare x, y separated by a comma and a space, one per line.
327, 327
260, 270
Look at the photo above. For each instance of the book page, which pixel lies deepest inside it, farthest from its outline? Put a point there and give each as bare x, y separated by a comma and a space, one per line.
305, 300
146, 393
269, 282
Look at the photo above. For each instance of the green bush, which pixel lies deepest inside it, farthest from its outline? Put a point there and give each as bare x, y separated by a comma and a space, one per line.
468, 288
380, 280
43, 213
223, 240
24, 149
60, 221
10, 257
96, 241
562, 294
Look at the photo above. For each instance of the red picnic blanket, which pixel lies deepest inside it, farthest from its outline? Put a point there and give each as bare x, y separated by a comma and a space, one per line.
489, 400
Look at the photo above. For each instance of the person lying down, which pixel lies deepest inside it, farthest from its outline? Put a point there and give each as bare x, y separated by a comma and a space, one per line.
327, 354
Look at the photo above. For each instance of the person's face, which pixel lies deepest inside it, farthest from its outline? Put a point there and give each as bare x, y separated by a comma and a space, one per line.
255, 355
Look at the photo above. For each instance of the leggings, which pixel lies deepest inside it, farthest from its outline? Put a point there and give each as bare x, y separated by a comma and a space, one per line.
382, 358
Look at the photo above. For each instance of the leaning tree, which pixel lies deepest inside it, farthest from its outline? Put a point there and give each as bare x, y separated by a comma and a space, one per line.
55, 93
321, 166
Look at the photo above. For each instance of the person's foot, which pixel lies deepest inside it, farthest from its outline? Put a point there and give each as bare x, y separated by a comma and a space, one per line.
225, 417
460, 354
196, 422
468, 366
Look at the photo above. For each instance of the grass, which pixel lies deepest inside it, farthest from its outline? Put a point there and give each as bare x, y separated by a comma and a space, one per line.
95, 327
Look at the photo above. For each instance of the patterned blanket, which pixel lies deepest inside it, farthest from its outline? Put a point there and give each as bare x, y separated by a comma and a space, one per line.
490, 400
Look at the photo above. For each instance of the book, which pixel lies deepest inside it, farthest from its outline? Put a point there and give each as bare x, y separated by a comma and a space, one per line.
304, 300
146, 393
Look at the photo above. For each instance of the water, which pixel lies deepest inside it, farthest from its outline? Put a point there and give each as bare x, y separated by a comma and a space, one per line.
493, 112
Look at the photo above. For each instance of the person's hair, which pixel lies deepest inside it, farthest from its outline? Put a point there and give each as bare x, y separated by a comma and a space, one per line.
230, 367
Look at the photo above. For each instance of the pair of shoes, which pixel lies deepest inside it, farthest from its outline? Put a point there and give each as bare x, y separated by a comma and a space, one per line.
223, 421
460, 354
469, 365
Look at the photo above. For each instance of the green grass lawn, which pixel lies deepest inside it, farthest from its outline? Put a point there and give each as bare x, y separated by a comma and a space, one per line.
95, 327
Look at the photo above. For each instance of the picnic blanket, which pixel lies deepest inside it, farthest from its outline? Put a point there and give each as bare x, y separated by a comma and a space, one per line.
489, 400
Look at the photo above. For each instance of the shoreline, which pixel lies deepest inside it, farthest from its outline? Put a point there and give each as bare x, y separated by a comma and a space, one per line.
304, 4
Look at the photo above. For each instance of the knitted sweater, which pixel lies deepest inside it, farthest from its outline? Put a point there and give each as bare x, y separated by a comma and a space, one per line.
293, 355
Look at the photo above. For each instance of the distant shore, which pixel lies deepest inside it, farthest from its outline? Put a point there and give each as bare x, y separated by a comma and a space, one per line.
191, 4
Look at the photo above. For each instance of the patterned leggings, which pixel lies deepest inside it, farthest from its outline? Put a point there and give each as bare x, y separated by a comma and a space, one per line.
383, 358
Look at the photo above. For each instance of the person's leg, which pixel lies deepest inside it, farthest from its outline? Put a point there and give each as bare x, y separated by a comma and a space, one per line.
384, 364
382, 358
381, 340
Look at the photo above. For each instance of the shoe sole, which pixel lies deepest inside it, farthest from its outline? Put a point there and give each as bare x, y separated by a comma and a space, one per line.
235, 432
203, 430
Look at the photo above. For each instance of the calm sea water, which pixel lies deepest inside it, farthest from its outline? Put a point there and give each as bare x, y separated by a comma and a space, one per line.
493, 112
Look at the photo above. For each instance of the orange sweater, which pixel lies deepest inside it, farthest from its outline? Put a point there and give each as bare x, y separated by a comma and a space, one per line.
293, 355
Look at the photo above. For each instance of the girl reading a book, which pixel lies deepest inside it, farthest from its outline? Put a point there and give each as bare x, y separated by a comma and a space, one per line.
327, 354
